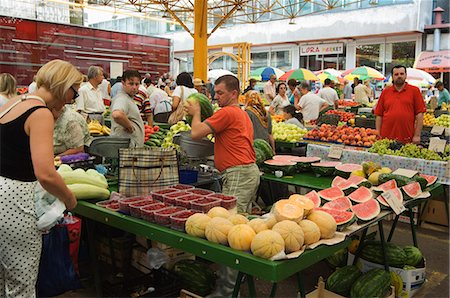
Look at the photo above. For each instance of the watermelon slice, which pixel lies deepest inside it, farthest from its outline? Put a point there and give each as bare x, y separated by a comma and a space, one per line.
304, 163
344, 170
341, 217
391, 184
280, 163
284, 157
314, 196
331, 193
325, 168
341, 183
341, 204
412, 190
397, 193
362, 194
430, 179
367, 210
356, 180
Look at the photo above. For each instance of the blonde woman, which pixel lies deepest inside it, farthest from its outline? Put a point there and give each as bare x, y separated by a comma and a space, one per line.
26, 156
7, 88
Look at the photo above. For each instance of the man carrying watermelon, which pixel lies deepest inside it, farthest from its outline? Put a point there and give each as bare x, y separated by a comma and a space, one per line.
400, 110
234, 155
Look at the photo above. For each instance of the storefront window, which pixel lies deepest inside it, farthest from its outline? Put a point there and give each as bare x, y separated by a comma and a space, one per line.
281, 60
318, 62
403, 53
369, 55
259, 60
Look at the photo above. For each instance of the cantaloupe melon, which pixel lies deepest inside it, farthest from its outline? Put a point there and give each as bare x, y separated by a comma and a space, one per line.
311, 231
217, 230
267, 244
325, 222
241, 236
287, 210
292, 235
218, 212
258, 225
306, 203
270, 221
196, 224
238, 219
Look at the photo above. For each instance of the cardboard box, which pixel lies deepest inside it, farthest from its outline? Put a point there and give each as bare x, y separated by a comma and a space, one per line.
413, 279
435, 213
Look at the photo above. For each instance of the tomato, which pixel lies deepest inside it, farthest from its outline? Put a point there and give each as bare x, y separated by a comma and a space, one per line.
156, 128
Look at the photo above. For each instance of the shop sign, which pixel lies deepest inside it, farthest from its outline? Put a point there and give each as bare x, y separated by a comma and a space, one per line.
322, 49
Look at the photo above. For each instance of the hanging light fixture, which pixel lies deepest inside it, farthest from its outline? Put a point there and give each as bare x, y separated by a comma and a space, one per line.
292, 21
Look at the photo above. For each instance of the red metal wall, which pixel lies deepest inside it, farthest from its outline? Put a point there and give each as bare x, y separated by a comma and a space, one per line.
26, 45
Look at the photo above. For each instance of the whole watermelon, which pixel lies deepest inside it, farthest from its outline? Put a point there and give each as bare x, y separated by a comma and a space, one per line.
260, 156
372, 252
206, 108
338, 259
264, 147
341, 281
375, 283
195, 276
413, 255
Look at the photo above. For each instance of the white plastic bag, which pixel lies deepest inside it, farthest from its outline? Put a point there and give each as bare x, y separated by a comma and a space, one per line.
49, 209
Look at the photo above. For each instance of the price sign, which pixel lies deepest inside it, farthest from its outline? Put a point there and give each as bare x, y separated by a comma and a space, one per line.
447, 131
336, 151
437, 130
405, 172
395, 204
437, 144
447, 171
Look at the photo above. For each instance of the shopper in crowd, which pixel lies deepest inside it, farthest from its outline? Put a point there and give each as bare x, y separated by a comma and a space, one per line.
71, 134
347, 92
328, 93
291, 116
85, 81
399, 112
310, 104
146, 76
270, 89
167, 87
199, 85
260, 118
7, 88
26, 155
105, 88
362, 93
280, 101
160, 105
293, 93
116, 86
356, 82
32, 86
234, 155
185, 87
141, 99
444, 96
251, 86
90, 99
126, 121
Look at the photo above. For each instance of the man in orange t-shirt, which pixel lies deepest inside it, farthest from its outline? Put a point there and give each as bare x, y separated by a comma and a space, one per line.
399, 111
234, 156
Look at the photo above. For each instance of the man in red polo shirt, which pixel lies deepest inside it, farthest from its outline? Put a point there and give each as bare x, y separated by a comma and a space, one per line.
400, 110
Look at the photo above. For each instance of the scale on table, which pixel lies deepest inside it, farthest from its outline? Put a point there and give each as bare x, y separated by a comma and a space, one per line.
108, 149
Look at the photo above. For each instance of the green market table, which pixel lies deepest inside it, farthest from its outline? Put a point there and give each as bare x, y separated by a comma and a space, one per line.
247, 264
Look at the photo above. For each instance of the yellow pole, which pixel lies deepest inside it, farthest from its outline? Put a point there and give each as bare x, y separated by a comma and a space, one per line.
200, 39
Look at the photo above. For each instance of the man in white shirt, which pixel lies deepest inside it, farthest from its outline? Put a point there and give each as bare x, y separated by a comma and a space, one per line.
311, 104
329, 94
269, 88
90, 99
160, 105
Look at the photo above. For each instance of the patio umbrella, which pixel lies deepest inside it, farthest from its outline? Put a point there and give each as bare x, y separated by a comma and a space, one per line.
300, 74
363, 72
264, 73
216, 73
331, 71
326, 75
416, 77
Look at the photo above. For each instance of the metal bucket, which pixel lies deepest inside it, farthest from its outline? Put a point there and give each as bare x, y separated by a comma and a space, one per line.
191, 148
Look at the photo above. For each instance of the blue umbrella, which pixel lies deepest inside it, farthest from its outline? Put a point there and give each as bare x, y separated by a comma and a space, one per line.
264, 73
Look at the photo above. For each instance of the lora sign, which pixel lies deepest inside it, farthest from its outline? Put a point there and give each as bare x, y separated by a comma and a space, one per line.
322, 49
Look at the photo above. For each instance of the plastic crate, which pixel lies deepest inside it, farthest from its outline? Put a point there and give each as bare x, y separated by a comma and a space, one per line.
185, 201
135, 208
162, 217
147, 212
199, 191
182, 187
170, 198
178, 221
158, 195
205, 204
227, 202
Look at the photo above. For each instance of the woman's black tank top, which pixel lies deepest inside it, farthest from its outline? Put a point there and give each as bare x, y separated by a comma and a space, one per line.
15, 154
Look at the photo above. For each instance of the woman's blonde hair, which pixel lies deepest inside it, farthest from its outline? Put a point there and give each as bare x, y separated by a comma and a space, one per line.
8, 85
57, 77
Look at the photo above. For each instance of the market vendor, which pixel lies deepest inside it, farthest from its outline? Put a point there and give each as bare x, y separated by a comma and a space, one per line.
444, 96
310, 104
234, 155
399, 112
71, 133
261, 120
126, 121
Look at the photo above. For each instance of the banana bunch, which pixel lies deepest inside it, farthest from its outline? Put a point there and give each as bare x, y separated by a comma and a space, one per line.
95, 128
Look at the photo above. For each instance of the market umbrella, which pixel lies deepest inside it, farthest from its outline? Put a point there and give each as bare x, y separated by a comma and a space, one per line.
416, 75
331, 71
216, 73
326, 75
300, 74
264, 73
363, 72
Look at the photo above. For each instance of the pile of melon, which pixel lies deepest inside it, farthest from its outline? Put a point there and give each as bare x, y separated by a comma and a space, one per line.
291, 224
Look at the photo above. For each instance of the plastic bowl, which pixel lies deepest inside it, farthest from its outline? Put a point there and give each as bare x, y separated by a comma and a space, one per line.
124, 204
162, 217
158, 195
198, 191
182, 186
135, 208
178, 221
170, 198
185, 201
147, 212
205, 204
227, 202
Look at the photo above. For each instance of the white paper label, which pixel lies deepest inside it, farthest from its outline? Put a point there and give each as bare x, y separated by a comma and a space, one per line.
447, 171
447, 131
405, 172
437, 130
437, 144
336, 151
395, 204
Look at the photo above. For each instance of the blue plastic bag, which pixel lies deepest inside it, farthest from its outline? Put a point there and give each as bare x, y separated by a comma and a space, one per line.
56, 271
